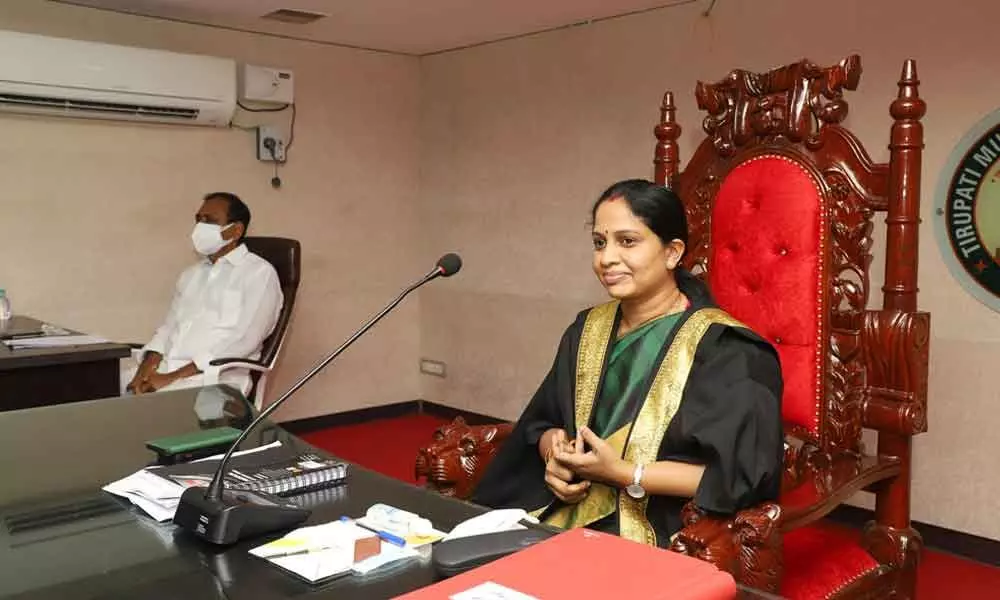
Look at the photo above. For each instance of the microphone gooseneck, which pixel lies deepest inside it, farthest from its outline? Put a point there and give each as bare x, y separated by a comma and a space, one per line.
446, 266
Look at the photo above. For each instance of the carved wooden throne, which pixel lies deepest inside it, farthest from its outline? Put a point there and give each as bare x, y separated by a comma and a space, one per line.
781, 200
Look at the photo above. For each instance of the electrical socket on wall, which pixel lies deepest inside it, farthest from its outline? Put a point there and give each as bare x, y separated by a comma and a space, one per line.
432, 367
275, 135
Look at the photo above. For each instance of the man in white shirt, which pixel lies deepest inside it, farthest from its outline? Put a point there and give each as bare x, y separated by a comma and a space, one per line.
223, 307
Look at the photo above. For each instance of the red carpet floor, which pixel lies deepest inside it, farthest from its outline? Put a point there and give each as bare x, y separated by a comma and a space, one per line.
389, 446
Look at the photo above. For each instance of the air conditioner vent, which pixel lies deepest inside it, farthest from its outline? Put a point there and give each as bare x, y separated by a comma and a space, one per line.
63, 77
71, 105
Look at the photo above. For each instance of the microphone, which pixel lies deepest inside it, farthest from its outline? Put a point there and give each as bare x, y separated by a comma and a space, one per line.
222, 516
449, 264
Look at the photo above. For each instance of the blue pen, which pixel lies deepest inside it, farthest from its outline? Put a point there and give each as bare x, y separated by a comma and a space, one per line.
385, 535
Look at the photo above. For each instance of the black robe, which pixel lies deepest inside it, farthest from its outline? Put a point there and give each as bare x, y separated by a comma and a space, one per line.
729, 420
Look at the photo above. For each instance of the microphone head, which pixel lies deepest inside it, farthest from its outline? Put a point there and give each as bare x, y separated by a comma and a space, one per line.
449, 264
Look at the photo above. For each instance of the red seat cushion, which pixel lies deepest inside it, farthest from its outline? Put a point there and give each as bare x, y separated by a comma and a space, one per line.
822, 559
768, 236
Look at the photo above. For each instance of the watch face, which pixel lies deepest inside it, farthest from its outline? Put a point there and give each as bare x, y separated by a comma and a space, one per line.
635, 491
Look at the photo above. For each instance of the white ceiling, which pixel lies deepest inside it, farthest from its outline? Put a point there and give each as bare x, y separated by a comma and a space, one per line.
405, 26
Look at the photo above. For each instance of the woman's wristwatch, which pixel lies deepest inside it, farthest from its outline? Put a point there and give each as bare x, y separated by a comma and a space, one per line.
635, 488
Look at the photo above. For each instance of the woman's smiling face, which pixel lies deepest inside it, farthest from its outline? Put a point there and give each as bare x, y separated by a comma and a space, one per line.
630, 260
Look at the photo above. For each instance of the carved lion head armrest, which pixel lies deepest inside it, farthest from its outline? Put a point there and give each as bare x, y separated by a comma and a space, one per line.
748, 546
455, 460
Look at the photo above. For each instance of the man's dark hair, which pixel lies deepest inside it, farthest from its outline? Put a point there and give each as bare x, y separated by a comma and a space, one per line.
236, 210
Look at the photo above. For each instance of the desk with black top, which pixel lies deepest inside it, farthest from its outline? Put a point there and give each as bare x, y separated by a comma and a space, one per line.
41, 376
62, 538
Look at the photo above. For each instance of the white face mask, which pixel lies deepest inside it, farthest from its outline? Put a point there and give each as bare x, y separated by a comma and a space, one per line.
207, 238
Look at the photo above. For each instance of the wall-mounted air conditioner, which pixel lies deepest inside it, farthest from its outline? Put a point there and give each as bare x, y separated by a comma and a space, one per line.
70, 78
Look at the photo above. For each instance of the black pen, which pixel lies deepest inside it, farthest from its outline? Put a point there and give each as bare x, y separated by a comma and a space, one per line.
300, 551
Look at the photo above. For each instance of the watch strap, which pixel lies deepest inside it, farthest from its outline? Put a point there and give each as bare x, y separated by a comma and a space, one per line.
637, 474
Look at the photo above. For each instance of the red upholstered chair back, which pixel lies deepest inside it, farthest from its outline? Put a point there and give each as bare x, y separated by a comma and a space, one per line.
780, 200
768, 256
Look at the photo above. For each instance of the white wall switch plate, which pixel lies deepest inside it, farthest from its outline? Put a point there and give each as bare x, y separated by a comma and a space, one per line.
432, 367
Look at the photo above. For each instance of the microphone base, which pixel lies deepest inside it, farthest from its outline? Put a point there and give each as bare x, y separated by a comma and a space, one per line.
237, 516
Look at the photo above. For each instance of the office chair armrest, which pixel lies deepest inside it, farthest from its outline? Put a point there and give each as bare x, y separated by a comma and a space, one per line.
243, 363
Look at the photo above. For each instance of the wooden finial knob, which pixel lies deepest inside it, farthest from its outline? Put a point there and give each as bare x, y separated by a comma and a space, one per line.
908, 103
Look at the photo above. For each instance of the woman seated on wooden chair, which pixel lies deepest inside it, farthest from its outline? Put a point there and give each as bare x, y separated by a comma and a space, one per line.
654, 398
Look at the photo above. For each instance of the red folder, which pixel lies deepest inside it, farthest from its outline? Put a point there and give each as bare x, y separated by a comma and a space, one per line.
581, 563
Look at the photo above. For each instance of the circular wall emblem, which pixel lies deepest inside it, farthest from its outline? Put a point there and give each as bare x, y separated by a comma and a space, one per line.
967, 215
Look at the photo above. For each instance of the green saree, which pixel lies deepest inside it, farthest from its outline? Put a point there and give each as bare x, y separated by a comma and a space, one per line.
632, 363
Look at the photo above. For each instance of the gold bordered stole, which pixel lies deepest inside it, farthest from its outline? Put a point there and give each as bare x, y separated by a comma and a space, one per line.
639, 441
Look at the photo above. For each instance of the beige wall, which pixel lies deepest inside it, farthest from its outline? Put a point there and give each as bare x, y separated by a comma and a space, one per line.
96, 215
520, 137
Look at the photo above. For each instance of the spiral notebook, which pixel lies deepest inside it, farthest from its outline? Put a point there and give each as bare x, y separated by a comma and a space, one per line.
279, 471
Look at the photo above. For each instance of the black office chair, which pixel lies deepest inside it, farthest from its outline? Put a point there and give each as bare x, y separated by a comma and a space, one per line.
286, 256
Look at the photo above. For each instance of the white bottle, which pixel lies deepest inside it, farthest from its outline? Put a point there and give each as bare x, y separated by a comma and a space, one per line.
5, 310
390, 518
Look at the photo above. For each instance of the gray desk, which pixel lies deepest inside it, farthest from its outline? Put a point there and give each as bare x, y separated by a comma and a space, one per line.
86, 544
40, 376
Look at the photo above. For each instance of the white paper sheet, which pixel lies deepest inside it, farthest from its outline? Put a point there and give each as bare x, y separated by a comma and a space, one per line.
156, 497
506, 519
241, 452
491, 591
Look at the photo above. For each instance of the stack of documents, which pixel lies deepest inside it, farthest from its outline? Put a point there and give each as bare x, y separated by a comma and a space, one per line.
157, 496
53, 341
318, 553
325, 551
